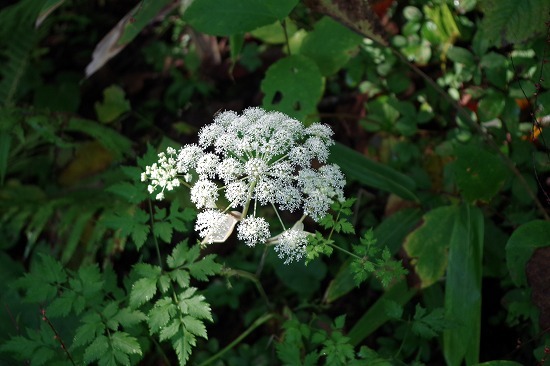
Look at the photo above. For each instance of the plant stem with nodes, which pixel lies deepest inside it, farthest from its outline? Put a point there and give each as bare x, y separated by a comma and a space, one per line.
57, 336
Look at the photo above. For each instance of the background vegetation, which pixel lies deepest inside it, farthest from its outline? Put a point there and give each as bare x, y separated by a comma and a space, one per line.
441, 112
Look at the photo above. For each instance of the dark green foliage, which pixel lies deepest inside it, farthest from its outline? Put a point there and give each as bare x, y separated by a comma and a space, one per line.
441, 128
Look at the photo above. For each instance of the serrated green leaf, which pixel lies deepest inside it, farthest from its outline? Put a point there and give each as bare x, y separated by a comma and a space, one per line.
182, 344
41, 356
122, 341
88, 331
194, 305
170, 330
194, 326
163, 230
180, 255
429, 325
143, 290
127, 317
131, 222
92, 281
224, 19
130, 192
96, 350
293, 85
61, 306
204, 268
161, 314
510, 21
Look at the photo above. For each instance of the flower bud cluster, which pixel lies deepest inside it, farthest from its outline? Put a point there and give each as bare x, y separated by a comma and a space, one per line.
254, 159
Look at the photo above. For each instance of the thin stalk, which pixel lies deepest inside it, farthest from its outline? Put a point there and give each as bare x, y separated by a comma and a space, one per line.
237, 340
345, 251
229, 272
154, 236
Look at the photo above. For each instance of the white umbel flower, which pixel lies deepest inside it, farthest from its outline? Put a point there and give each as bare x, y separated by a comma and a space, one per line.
291, 245
254, 159
253, 230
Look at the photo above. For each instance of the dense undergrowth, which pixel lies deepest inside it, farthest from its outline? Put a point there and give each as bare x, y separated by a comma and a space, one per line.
435, 252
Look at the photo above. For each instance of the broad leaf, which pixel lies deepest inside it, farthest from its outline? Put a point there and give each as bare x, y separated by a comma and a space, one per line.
511, 21
371, 173
224, 18
521, 246
293, 85
478, 173
463, 286
427, 246
330, 45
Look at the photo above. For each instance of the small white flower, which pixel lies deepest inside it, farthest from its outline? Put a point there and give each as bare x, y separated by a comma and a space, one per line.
236, 193
229, 169
204, 194
291, 245
188, 157
207, 165
253, 230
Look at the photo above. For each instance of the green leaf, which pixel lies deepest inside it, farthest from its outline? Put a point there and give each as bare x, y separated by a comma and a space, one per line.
143, 290
521, 246
114, 104
122, 341
293, 85
194, 305
113, 141
142, 15
478, 173
204, 268
511, 21
161, 314
330, 45
427, 245
181, 254
228, 18
376, 315
92, 327
127, 317
373, 174
163, 230
463, 286
194, 326
96, 350
131, 222
182, 344
429, 325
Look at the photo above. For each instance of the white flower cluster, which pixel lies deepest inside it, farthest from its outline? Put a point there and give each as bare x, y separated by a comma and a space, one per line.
257, 158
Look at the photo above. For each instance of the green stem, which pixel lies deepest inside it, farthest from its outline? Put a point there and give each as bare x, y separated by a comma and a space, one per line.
243, 335
249, 198
344, 250
229, 272
154, 236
